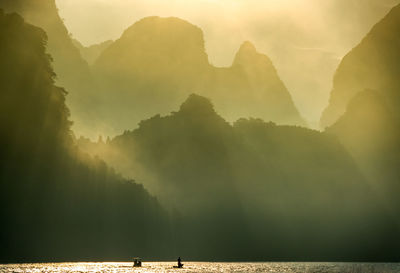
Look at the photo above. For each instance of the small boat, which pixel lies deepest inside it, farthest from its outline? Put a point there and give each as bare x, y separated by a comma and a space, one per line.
178, 266
137, 262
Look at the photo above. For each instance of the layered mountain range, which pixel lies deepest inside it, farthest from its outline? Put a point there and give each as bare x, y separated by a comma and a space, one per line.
157, 62
229, 186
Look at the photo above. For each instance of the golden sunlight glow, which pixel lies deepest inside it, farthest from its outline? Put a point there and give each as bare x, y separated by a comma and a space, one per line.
304, 38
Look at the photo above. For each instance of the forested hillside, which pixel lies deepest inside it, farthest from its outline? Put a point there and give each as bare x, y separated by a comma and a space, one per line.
277, 190
57, 203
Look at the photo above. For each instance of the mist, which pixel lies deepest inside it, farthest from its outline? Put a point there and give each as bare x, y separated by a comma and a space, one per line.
196, 128
305, 39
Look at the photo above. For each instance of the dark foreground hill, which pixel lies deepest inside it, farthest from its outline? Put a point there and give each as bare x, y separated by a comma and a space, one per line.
57, 203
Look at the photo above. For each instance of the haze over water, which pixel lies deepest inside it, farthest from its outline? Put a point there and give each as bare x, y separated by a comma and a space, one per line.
206, 267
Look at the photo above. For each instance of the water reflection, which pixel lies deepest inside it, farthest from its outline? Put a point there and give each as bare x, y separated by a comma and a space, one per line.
158, 267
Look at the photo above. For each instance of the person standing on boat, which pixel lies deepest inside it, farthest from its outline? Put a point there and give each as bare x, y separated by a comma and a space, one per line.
180, 264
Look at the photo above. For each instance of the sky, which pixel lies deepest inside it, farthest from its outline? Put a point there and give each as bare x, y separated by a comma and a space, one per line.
305, 39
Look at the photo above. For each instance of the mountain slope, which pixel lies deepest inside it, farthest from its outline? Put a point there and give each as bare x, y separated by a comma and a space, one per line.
373, 64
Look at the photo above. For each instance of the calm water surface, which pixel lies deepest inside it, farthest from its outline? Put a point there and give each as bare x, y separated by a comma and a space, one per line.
204, 267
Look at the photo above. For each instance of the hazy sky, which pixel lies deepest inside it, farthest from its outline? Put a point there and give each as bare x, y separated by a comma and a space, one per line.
304, 38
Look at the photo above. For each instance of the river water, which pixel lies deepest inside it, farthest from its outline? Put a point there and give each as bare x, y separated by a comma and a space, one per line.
204, 267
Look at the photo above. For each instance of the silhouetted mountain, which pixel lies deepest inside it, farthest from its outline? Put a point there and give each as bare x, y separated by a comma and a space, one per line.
91, 53
57, 203
373, 64
247, 190
253, 190
72, 71
157, 62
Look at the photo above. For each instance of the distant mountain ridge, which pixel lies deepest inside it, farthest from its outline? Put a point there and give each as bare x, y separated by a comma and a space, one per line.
155, 64
158, 61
